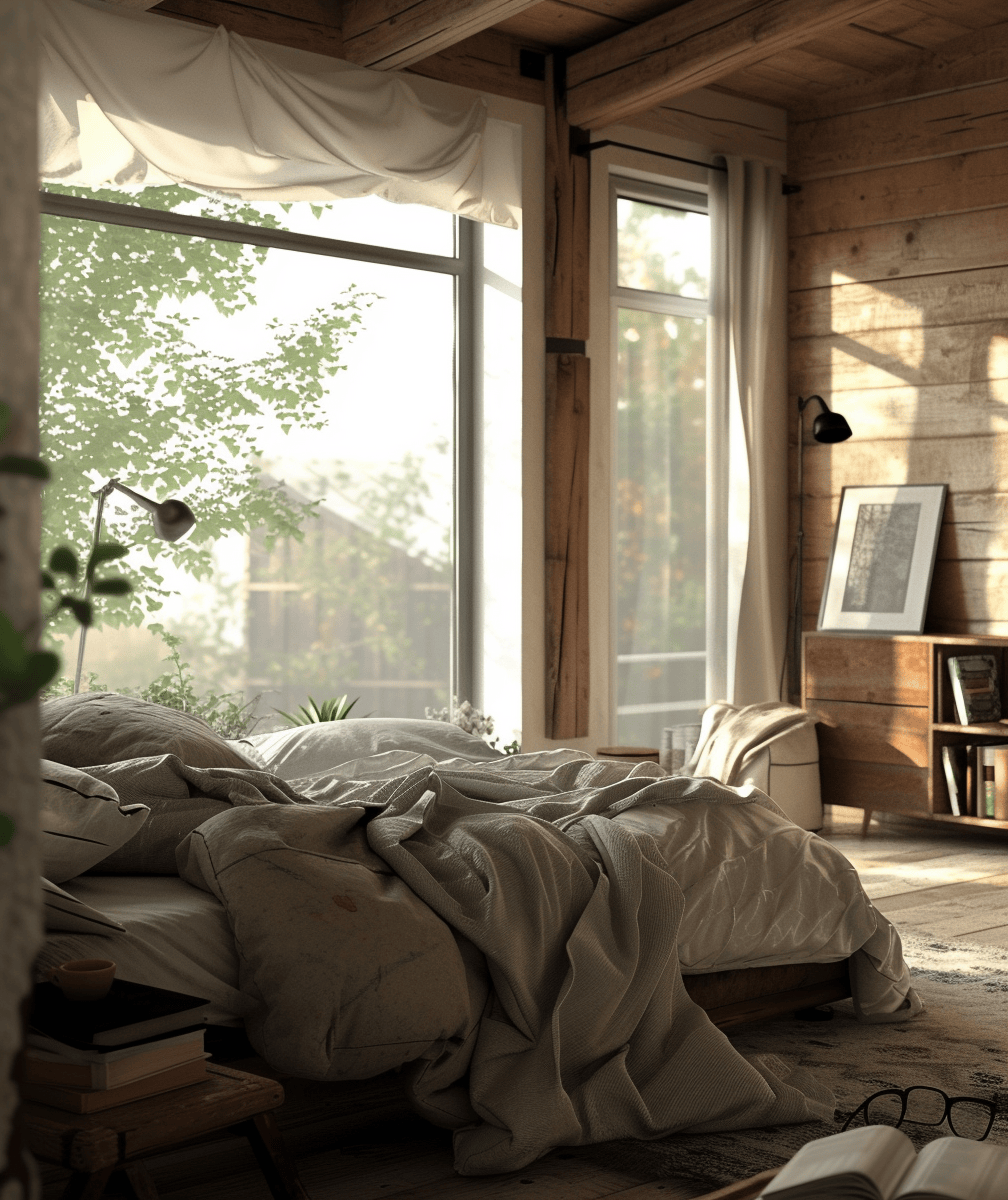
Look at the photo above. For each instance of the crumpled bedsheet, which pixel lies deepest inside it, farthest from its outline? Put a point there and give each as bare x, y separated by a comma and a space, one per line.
559, 1014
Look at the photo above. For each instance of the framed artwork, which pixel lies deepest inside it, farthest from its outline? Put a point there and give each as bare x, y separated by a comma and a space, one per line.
882, 559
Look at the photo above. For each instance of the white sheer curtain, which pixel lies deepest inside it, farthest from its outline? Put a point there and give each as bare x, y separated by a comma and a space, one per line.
129, 99
747, 435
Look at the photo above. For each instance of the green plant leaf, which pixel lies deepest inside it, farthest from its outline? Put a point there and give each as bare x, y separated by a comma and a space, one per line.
64, 561
81, 609
7, 826
5, 415
13, 655
102, 553
111, 587
17, 464
46, 580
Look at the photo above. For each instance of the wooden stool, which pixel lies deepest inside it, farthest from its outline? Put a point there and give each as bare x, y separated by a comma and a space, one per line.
97, 1145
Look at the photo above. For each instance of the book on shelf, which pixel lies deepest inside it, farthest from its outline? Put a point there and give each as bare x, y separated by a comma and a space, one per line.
130, 1012
954, 762
48, 1061
969, 752
878, 1162
975, 688
89, 1100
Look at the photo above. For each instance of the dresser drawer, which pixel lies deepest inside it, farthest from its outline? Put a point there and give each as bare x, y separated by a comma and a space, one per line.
871, 733
868, 670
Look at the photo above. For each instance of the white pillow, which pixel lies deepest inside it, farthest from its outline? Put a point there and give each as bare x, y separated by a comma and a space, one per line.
82, 821
66, 914
311, 749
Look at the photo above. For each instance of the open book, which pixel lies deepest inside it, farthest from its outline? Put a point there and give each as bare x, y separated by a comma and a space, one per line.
878, 1162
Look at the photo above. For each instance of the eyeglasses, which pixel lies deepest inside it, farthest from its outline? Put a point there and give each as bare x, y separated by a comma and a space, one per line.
967, 1116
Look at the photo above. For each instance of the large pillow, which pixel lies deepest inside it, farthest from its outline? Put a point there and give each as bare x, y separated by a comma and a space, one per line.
102, 727
310, 749
82, 821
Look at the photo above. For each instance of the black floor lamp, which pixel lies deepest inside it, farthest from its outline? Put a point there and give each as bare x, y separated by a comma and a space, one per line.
172, 520
827, 427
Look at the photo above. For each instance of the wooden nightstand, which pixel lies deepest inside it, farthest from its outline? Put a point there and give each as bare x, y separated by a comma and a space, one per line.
94, 1146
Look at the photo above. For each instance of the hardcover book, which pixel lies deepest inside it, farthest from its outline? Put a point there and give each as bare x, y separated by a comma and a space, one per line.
975, 688
955, 778
88, 1100
131, 1012
878, 1162
51, 1062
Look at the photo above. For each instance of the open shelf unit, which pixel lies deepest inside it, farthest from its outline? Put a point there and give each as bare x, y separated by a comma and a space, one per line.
884, 708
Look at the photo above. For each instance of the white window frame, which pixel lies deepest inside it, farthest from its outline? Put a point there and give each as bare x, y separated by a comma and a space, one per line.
691, 199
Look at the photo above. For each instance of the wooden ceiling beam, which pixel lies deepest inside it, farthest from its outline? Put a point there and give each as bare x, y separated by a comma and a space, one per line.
691, 47
398, 33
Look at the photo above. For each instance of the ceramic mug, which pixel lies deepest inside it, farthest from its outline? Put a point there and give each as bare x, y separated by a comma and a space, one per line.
84, 978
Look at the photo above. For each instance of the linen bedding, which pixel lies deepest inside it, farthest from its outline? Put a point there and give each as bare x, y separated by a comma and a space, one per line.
510, 933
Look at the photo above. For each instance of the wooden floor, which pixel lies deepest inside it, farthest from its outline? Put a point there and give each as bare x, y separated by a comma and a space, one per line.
940, 882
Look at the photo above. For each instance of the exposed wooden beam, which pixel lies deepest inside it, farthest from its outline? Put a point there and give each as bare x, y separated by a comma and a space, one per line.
966, 62
690, 47
398, 33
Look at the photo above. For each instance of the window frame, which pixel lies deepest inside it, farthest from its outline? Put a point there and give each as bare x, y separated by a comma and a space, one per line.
689, 199
461, 266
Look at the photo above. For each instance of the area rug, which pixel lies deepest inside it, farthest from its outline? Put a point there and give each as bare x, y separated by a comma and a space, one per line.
959, 1044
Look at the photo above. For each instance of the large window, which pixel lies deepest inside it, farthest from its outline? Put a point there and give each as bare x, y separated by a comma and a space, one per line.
660, 241
301, 375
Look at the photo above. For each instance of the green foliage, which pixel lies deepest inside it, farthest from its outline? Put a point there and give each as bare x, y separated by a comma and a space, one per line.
229, 715
332, 710
127, 391
24, 672
7, 829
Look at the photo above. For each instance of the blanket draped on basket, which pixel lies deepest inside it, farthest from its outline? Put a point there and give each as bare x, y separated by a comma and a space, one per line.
578, 1028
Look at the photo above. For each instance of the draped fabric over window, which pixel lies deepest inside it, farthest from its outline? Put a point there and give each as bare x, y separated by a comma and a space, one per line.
129, 98
747, 435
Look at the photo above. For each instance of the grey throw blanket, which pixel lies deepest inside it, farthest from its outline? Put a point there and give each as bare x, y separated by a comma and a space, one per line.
586, 1033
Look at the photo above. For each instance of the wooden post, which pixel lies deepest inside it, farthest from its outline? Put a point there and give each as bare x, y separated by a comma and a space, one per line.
567, 420
20, 859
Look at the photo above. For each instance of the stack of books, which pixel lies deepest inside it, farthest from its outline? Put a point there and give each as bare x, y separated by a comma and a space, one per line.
977, 779
85, 1056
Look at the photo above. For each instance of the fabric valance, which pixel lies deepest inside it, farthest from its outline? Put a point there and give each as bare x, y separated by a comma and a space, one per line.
132, 99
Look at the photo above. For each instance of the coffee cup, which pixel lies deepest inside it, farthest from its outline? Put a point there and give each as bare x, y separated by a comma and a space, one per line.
84, 978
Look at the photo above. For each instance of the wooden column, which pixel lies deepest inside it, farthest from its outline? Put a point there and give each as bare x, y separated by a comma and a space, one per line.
567, 421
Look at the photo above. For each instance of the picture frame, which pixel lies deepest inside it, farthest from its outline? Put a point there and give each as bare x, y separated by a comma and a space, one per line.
882, 558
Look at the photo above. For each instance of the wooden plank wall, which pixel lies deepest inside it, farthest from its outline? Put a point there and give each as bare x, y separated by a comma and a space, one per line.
898, 317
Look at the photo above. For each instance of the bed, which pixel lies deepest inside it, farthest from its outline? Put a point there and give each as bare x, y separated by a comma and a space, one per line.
394, 896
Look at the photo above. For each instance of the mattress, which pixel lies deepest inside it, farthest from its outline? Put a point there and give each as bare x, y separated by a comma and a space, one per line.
177, 937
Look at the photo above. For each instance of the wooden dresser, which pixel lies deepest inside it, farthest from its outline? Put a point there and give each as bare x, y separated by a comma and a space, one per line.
884, 708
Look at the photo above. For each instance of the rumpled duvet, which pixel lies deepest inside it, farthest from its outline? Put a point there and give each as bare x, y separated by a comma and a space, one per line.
508, 933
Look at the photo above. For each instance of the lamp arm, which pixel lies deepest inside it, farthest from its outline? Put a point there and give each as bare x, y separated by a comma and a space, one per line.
150, 505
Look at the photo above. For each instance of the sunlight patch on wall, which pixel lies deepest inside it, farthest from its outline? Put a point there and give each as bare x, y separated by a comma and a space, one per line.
886, 331
997, 372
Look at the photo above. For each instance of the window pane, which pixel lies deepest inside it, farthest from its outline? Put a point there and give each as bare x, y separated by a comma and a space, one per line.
367, 219
662, 249
304, 408
660, 524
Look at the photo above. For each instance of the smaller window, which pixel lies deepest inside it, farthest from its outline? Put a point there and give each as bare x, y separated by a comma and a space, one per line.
663, 249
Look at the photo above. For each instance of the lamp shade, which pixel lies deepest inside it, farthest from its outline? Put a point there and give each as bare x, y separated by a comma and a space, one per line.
830, 427
173, 519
